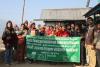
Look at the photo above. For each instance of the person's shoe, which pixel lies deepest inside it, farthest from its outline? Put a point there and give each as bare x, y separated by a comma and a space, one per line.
8, 65
86, 64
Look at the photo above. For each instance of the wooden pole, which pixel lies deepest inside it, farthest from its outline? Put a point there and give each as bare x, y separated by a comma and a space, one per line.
88, 2
23, 11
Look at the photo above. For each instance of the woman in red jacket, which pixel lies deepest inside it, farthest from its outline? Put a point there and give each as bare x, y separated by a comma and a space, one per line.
64, 33
61, 32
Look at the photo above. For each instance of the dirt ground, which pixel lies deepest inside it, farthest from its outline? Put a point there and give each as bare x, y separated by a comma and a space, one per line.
37, 65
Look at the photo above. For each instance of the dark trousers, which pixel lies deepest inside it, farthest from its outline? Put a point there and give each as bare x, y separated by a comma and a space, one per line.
83, 53
20, 53
98, 58
8, 55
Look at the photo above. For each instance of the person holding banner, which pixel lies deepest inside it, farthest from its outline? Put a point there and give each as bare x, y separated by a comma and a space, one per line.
91, 58
49, 31
21, 43
42, 32
79, 33
63, 32
58, 31
33, 31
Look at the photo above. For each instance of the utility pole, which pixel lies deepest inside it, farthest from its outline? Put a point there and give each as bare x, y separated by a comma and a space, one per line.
88, 2
23, 10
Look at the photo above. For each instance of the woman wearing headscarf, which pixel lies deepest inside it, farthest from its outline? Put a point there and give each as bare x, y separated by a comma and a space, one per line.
10, 40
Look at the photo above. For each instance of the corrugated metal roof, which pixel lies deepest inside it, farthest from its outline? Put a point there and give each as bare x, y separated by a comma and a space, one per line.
94, 10
64, 14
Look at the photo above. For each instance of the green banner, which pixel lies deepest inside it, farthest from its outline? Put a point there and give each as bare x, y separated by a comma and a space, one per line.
56, 49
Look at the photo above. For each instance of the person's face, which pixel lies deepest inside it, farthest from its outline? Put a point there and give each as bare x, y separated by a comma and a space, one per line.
89, 21
76, 27
47, 28
63, 28
16, 28
72, 25
60, 28
33, 26
68, 27
51, 28
98, 26
42, 29
39, 26
26, 24
57, 26
22, 27
56, 29
9, 25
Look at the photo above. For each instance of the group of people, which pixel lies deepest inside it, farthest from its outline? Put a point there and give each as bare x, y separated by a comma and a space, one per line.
12, 37
57, 30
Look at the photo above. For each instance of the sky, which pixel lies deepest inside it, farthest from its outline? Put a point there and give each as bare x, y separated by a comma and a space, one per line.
12, 9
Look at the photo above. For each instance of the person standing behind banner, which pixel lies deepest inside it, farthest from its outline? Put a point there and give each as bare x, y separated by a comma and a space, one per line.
72, 30
42, 32
16, 28
97, 44
47, 28
49, 31
10, 40
39, 26
33, 31
23, 30
21, 43
91, 58
58, 31
26, 25
77, 31
68, 28
64, 33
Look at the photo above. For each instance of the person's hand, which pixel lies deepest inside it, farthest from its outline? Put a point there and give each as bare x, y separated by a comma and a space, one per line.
85, 45
8, 37
93, 47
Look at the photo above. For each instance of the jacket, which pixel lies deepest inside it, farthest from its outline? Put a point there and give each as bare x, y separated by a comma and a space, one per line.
9, 38
97, 39
90, 36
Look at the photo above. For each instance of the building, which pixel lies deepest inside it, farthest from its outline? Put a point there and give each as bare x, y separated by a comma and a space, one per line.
94, 12
64, 16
